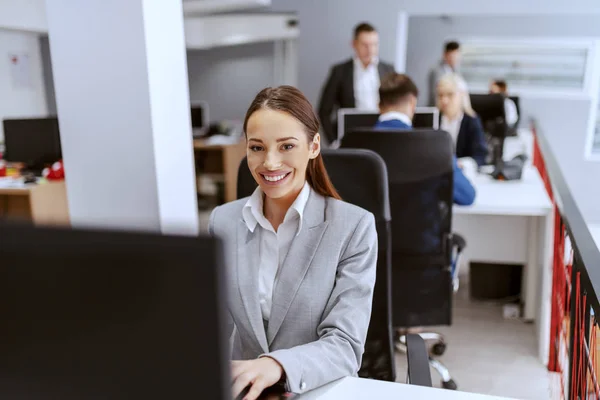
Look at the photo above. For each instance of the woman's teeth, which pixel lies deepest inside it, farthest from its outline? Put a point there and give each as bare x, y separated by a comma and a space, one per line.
275, 178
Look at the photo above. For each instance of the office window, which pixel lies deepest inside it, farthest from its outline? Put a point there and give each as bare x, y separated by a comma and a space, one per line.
530, 65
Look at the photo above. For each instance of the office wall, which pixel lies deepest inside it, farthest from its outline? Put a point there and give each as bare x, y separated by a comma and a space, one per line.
18, 100
427, 34
563, 124
23, 15
325, 26
229, 78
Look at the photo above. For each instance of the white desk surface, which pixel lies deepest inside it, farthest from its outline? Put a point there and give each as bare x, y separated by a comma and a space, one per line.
360, 389
525, 197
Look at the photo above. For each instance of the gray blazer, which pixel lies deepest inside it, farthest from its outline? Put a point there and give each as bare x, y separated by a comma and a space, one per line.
321, 298
434, 77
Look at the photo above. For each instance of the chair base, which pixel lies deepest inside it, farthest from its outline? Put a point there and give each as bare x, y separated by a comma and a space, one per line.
437, 349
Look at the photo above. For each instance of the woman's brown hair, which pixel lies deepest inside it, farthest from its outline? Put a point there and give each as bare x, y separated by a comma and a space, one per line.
290, 100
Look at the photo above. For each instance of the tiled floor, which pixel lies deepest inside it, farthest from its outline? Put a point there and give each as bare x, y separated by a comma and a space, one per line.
488, 354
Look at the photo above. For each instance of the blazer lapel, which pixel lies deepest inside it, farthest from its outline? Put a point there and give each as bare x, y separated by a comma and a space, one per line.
297, 262
382, 69
247, 276
460, 138
349, 84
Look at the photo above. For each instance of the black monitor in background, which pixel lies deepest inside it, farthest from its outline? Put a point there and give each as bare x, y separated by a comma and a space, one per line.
199, 116
33, 141
490, 110
105, 315
426, 118
352, 119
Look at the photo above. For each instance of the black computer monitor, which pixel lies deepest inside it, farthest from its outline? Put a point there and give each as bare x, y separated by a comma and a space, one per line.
354, 120
106, 315
490, 109
351, 119
200, 114
426, 118
33, 141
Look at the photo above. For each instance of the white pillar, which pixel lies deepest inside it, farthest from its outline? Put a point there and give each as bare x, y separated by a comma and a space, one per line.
401, 42
123, 104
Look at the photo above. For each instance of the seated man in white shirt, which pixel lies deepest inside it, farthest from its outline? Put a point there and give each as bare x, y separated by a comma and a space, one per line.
510, 108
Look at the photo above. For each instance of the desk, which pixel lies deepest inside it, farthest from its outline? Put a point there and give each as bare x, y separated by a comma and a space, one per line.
223, 160
512, 222
44, 204
359, 389
521, 144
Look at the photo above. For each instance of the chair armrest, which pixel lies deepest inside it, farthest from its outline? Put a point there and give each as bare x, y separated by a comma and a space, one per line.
418, 361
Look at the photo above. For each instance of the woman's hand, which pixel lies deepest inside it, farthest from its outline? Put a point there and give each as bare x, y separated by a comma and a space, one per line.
259, 374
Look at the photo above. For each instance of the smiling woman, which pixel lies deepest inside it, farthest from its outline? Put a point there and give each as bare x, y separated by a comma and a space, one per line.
285, 118
303, 268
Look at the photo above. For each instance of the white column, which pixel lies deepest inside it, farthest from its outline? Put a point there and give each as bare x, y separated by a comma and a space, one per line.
123, 104
401, 42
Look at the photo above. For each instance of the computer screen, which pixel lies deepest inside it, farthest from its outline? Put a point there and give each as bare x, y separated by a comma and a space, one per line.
33, 141
490, 109
353, 119
350, 119
426, 118
107, 315
199, 113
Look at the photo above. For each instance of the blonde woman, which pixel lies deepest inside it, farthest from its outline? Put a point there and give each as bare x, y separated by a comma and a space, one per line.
459, 119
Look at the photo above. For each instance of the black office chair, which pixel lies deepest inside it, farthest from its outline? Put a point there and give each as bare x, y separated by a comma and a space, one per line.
420, 168
360, 177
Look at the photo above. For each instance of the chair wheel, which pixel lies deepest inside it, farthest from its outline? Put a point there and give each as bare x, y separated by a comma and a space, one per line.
450, 385
439, 349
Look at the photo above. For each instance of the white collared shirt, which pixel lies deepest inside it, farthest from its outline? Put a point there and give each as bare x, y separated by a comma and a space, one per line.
446, 69
388, 116
452, 126
273, 246
366, 85
510, 112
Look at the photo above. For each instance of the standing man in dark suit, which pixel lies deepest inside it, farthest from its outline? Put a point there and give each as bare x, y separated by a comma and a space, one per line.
355, 82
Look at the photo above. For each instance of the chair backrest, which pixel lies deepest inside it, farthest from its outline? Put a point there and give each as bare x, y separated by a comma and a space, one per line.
360, 177
420, 171
351, 119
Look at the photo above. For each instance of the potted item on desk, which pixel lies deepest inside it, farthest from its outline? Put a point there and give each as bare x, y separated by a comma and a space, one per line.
55, 173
